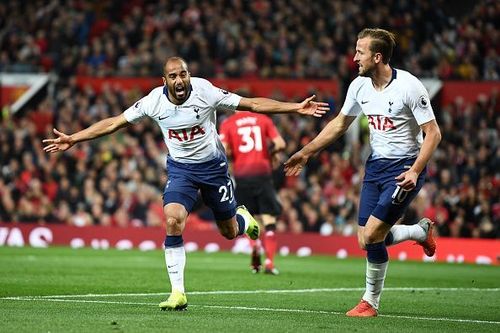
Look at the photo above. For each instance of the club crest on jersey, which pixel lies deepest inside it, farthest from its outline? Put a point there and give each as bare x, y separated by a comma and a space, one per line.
186, 134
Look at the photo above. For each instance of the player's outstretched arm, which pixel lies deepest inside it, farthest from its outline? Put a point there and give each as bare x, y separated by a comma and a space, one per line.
63, 141
332, 131
267, 105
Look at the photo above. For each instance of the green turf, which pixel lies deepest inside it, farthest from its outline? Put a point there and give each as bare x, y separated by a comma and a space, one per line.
31, 272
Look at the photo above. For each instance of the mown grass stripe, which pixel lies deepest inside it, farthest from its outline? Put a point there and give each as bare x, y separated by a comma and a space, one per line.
246, 308
270, 291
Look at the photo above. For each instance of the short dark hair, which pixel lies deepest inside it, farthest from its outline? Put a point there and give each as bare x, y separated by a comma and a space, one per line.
382, 42
174, 59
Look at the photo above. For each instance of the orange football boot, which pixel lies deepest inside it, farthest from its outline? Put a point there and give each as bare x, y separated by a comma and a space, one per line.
429, 244
363, 309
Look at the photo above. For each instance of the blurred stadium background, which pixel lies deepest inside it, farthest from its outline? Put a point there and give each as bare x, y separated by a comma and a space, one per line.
67, 64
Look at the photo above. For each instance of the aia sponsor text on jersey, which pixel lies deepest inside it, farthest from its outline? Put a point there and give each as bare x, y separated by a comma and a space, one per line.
381, 123
186, 134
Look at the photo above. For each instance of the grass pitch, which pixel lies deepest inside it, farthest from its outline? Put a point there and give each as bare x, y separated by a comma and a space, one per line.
65, 290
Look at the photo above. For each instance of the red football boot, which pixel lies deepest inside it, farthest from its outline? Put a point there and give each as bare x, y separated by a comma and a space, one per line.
429, 244
363, 309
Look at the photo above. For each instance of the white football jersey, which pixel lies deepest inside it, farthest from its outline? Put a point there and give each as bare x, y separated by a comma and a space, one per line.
189, 129
394, 114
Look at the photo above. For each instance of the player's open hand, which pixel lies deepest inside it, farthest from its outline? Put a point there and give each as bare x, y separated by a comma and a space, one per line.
312, 108
61, 143
407, 180
295, 164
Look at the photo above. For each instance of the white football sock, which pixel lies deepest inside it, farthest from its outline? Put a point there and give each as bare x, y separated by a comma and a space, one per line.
401, 233
247, 223
175, 258
375, 277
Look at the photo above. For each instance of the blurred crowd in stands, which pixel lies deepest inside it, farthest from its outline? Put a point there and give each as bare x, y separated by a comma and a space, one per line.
118, 180
236, 38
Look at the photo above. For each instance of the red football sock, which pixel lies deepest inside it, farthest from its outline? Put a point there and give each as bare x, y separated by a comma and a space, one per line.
270, 245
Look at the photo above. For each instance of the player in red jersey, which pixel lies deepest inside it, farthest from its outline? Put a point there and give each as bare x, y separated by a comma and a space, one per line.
252, 140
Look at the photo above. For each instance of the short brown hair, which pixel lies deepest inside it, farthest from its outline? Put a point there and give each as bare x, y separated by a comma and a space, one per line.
382, 42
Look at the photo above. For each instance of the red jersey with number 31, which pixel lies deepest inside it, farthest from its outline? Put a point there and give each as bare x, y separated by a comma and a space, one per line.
248, 134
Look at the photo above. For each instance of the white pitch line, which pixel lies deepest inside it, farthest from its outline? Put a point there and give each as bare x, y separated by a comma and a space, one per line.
245, 308
343, 314
271, 291
71, 300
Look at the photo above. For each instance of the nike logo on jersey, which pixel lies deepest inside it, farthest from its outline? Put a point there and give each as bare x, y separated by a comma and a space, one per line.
161, 118
364, 102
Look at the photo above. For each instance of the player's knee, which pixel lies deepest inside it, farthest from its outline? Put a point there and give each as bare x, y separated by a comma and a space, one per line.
361, 237
174, 222
361, 243
368, 238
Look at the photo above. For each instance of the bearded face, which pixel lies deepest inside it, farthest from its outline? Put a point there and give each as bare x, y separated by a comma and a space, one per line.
178, 80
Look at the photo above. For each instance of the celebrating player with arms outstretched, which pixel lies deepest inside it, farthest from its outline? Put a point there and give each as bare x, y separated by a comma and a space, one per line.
398, 110
246, 137
185, 109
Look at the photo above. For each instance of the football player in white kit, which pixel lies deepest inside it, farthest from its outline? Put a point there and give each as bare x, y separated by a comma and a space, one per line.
185, 109
398, 110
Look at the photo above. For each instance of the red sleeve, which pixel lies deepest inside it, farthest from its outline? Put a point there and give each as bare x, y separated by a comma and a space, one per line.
224, 132
271, 130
